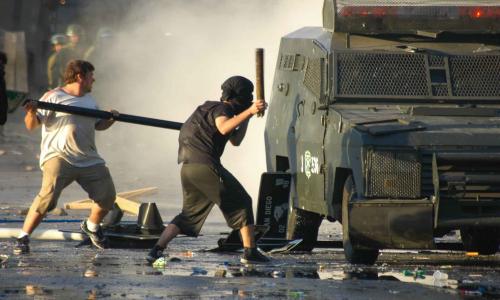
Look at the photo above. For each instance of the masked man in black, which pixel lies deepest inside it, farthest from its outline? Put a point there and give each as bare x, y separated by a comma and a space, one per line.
205, 182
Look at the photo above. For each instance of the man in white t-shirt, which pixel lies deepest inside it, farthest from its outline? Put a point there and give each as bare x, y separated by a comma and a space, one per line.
68, 153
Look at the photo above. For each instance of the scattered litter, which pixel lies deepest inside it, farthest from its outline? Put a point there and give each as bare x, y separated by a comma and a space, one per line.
472, 289
296, 294
29, 168
415, 274
174, 259
476, 289
220, 273
3, 260
440, 279
2, 152
90, 273
187, 254
278, 274
160, 263
16, 152
198, 271
393, 292
32, 290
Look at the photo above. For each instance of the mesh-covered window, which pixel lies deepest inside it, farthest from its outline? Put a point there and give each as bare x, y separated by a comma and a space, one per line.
475, 75
313, 78
381, 74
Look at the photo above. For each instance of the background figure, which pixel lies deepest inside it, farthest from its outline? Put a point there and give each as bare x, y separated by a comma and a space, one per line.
102, 43
58, 41
3, 92
101, 55
75, 49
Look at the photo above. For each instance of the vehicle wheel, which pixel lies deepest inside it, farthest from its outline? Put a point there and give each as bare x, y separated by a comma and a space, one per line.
303, 225
353, 253
483, 240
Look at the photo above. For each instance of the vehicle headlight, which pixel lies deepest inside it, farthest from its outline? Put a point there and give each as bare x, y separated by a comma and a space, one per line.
392, 174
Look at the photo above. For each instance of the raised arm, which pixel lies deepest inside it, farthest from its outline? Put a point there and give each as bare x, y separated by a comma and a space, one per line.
226, 125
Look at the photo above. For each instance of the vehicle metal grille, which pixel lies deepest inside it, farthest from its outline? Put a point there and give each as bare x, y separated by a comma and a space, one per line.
436, 61
469, 184
393, 175
427, 184
312, 78
287, 61
381, 74
440, 90
475, 75
363, 74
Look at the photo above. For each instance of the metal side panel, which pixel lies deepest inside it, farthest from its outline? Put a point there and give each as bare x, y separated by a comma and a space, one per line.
393, 224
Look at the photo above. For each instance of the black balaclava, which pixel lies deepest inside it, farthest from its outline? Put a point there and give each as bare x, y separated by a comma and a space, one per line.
238, 91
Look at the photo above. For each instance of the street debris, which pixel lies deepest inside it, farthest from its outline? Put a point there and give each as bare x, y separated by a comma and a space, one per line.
160, 263
89, 273
198, 271
3, 260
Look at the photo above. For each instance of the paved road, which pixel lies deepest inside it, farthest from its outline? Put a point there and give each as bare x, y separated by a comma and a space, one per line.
59, 270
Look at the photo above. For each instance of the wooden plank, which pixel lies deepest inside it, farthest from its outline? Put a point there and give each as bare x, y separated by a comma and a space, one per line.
127, 205
130, 196
80, 205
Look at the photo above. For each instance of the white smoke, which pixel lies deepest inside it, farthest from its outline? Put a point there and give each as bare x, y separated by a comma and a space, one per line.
170, 56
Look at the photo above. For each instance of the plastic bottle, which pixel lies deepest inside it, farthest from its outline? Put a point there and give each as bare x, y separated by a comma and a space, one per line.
440, 279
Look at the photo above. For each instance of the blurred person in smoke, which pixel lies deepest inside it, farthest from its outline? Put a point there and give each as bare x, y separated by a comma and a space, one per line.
74, 49
58, 41
3, 92
68, 153
205, 182
101, 54
103, 41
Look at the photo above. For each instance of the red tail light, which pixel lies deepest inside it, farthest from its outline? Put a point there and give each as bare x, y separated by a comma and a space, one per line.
481, 12
474, 12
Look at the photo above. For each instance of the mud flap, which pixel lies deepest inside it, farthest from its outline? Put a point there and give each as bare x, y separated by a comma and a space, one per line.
273, 203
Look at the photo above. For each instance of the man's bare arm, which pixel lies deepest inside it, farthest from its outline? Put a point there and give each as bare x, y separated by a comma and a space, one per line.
239, 133
226, 125
31, 120
105, 124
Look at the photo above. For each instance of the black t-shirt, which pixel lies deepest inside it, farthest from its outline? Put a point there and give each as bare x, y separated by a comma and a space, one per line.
199, 140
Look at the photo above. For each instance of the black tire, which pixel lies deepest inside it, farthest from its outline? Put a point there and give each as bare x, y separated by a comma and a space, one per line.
303, 225
354, 254
484, 240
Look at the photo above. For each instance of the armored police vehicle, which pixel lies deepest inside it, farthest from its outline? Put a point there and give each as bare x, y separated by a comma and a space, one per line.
388, 120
